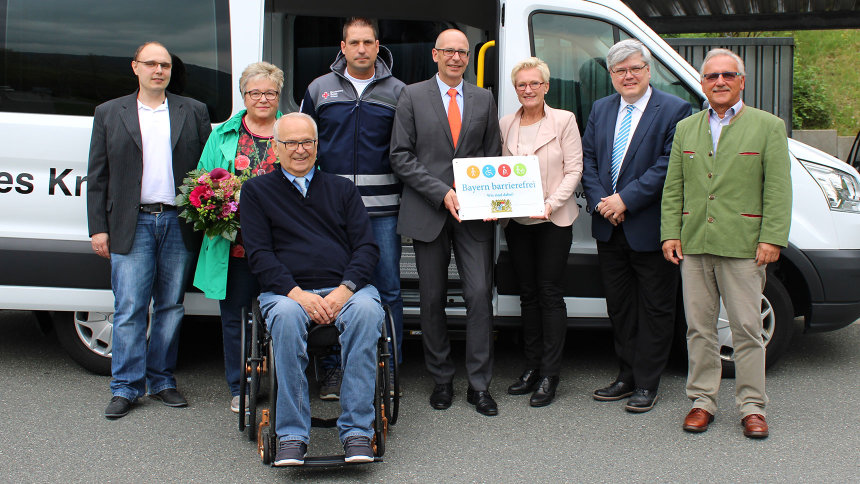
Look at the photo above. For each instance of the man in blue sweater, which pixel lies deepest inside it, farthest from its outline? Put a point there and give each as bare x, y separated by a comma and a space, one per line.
309, 242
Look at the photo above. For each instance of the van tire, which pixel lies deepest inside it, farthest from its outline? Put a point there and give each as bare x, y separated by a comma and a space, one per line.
76, 338
778, 325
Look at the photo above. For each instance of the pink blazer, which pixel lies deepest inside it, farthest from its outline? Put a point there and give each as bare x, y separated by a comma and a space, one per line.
559, 151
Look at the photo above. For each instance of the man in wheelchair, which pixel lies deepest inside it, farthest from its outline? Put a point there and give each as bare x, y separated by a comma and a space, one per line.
309, 241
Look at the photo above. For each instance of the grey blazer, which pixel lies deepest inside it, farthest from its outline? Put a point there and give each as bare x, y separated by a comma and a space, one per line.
116, 164
422, 150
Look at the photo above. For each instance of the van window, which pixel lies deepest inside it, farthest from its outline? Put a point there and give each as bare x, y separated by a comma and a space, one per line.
305, 45
575, 49
62, 57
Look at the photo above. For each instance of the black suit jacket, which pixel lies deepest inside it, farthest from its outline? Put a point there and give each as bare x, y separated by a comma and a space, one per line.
422, 151
116, 164
643, 171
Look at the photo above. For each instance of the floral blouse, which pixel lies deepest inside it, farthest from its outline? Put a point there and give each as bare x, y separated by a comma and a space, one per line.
257, 154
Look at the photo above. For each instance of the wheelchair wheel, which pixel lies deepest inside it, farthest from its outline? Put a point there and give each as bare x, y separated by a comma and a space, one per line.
254, 381
243, 380
392, 369
380, 397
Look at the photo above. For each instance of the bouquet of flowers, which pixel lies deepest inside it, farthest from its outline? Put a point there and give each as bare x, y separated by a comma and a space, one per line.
210, 200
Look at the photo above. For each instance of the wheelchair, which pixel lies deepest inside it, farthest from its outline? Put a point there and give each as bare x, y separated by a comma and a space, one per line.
258, 367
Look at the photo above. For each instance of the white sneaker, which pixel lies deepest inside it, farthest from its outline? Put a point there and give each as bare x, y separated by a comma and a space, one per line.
234, 404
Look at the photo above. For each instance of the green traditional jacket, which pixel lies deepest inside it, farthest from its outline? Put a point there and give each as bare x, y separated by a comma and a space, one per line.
219, 152
726, 203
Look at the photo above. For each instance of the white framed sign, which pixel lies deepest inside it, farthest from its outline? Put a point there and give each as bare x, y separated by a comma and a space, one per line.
498, 187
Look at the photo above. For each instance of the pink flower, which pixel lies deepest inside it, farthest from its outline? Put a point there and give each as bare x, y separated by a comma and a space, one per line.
219, 174
242, 162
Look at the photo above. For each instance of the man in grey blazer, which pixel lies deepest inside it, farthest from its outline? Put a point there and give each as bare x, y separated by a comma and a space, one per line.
422, 150
142, 147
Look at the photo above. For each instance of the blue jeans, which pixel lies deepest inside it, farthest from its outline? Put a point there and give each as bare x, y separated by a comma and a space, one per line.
241, 287
386, 277
359, 324
155, 268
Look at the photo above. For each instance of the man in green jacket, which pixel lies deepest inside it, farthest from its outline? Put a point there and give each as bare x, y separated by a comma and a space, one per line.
726, 213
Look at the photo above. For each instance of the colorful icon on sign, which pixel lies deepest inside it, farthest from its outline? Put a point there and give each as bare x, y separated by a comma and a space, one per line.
520, 169
504, 170
489, 171
472, 171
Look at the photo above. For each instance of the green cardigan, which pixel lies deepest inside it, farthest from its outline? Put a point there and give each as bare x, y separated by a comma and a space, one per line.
726, 204
219, 152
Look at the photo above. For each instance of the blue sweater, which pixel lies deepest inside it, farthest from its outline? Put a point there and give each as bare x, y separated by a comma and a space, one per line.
314, 242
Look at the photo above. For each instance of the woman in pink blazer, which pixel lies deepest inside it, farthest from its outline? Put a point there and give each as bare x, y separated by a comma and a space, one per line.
539, 245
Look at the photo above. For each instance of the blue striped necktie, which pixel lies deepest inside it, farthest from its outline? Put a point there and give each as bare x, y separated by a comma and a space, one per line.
300, 183
620, 144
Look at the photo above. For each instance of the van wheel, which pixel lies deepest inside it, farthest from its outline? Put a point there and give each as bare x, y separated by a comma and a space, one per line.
777, 316
86, 337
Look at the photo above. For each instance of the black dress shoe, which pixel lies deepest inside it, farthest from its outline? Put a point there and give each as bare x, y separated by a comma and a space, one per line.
483, 402
170, 397
117, 408
545, 392
526, 383
442, 395
616, 391
642, 400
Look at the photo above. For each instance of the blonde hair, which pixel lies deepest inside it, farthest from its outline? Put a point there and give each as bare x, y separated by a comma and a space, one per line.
264, 70
530, 63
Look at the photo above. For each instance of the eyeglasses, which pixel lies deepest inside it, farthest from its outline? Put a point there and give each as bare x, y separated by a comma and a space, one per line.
534, 85
622, 71
153, 64
291, 145
256, 95
727, 76
451, 52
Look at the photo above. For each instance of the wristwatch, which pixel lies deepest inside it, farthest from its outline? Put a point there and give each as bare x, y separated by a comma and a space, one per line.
349, 285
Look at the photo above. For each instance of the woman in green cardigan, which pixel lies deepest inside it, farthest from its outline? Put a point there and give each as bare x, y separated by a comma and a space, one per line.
242, 143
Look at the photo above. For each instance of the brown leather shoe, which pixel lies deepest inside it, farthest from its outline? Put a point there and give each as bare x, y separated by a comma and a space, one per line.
697, 420
754, 426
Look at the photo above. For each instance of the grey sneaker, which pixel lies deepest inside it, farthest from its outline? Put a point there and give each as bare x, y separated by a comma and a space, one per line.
291, 453
330, 384
356, 449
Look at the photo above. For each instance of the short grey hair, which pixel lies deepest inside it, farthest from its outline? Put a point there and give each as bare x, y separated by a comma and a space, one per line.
295, 115
624, 49
265, 70
718, 52
530, 63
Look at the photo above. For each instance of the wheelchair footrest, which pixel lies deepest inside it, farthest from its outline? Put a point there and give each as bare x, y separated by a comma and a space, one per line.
333, 461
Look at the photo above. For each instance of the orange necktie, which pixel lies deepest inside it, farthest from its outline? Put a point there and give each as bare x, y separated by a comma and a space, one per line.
454, 116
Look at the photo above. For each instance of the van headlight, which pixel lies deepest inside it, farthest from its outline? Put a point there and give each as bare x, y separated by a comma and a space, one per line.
842, 189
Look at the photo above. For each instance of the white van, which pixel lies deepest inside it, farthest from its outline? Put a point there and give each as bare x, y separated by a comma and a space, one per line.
60, 59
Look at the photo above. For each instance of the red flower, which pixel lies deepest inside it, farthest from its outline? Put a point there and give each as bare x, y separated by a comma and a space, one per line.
237, 251
199, 195
219, 174
242, 162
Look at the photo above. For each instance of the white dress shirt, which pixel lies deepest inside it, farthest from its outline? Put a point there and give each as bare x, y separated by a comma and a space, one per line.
636, 115
157, 185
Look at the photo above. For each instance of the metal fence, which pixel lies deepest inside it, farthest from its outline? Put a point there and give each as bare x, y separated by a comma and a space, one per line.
769, 65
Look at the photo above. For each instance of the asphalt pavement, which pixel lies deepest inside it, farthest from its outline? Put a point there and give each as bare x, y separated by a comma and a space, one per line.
53, 430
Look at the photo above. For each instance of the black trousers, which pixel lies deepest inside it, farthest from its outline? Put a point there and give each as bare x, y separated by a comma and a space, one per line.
539, 254
641, 293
